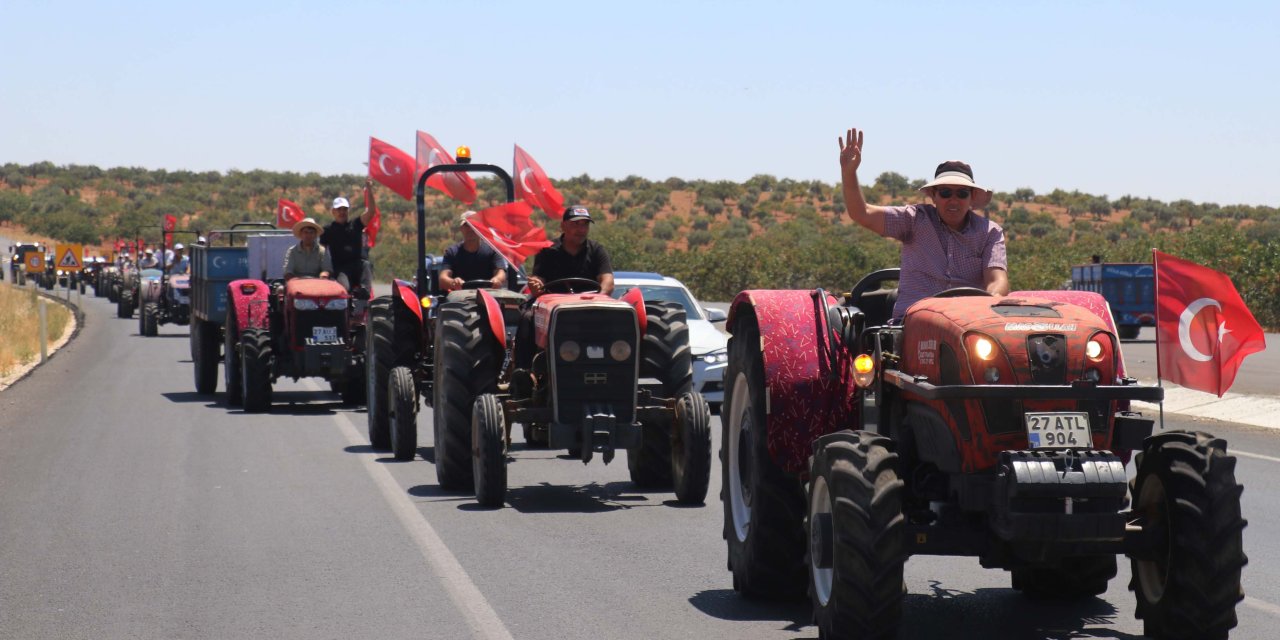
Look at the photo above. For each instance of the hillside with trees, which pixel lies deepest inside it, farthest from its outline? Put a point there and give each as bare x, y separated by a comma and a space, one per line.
717, 236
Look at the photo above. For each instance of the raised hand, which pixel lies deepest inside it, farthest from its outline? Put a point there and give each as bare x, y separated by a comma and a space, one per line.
850, 152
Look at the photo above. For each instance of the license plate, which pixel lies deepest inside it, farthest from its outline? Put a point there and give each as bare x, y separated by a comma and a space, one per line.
1058, 430
324, 334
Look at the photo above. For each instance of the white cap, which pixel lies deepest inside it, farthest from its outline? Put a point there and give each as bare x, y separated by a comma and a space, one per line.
179, 246
341, 202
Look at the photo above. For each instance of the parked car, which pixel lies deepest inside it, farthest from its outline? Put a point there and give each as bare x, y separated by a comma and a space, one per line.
708, 344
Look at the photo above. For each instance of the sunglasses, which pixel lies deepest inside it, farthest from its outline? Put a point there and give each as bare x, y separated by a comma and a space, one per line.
959, 193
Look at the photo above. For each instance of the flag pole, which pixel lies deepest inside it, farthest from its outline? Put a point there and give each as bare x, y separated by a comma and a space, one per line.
1155, 273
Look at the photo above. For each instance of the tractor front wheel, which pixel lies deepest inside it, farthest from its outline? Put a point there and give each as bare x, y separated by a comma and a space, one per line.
1187, 501
402, 413
149, 318
691, 449
231, 374
255, 379
204, 342
489, 457
665, 355
467, 362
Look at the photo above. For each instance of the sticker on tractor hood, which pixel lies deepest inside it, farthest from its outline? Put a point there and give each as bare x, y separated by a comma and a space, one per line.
1039, 326
927, 351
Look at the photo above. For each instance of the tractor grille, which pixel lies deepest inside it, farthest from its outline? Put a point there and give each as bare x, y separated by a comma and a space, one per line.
1047, 357
594, 377
305, 323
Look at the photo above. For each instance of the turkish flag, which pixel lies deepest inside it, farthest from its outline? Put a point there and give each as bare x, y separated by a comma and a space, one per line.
1203, 328
392, 167
509, 229
375, 220
287, 213
459, 186
120, 244
168, 239
533, 186
170, 222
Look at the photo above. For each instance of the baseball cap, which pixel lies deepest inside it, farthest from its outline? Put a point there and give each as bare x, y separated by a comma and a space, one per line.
577, 213
179, 246
341, 202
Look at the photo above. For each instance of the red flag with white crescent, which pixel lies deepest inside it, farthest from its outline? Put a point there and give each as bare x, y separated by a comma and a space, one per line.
170, 222
509, 229
375, 221
459, 186
287, 213
392, 167
1204, 330
533, 186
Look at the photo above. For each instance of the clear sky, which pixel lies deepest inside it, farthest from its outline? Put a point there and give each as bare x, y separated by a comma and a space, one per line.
1163, 99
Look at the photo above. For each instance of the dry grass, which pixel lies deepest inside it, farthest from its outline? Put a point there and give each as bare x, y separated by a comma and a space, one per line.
20, 326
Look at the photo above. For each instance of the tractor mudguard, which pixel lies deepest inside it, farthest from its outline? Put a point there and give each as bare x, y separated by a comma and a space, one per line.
249, 297
635, 298
804, 397
493, 315
410, 298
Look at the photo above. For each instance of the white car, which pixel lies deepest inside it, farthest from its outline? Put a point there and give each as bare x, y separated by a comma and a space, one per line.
708, 344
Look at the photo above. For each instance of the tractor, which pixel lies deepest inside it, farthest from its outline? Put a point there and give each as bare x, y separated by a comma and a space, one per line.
303, 327
990, 427
609, 375
167, 299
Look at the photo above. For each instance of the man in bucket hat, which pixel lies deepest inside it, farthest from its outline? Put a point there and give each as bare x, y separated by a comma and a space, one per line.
308, 258
945, 244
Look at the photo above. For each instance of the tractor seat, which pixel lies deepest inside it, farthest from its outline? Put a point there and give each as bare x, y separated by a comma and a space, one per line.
877, 306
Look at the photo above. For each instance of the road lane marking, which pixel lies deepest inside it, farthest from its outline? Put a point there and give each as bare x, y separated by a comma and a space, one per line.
1262, 605
464, 593
1258, 456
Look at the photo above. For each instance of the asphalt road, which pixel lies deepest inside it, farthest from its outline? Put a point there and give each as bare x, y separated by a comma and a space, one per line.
132, 508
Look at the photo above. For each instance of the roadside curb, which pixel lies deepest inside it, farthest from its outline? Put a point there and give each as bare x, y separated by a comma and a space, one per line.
68, 334
1256, 411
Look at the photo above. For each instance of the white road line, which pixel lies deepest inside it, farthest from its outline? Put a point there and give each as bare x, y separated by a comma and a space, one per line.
1262, 605
483, 620
1246, 454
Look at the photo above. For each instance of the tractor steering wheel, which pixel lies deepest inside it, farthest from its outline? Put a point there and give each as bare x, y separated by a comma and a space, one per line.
572, 285
477, 284
962, 292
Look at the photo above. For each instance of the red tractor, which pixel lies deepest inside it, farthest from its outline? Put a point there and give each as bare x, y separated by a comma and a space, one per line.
994, 427
609, 374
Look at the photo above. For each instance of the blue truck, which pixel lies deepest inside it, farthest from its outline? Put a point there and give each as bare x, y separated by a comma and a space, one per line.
1129, 288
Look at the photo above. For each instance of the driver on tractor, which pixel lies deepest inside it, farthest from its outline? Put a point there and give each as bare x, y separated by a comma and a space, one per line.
471, 260
308, 258
573, 255
945, 244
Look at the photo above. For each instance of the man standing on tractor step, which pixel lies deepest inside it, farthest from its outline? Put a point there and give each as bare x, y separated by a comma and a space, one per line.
471, 259
944, 244
344, 238
573, 255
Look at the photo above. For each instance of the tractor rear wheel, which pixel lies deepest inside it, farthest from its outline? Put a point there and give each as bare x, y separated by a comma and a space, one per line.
764, 506
149, 317
489, 460
468, 358
1187, 501
255, 378
204, 342
391, 340
856, 546
124, 304
231, 373
402, 413
665, 355
691, 448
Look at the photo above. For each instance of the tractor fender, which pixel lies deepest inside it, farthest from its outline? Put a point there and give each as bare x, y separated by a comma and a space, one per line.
493, 314
249, 297
410, 297
636, 299
805, 398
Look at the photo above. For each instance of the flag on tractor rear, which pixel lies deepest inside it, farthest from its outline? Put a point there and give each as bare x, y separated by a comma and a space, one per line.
509, 229
1203, 328
533, 185
392, 167
430, 153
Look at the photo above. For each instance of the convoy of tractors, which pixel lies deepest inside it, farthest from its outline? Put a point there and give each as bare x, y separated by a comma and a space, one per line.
992, 427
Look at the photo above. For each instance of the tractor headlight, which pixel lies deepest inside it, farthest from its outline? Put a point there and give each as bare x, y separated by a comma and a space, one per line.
570, 350
336, 305
1093, 350
864, 370
984, 348
620, 350
303, 304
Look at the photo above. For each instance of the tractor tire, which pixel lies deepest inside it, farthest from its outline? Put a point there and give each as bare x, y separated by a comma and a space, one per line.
231, 373
149, 317
1185, 490
1075, 579
489, 462
255, 378
352, 388
764, 506
1129, 331
691, 449
467, 359
204, 357
402, 410
124, 305
665, 355
390, 341
855, 524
